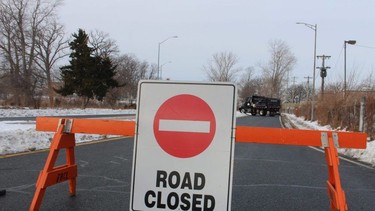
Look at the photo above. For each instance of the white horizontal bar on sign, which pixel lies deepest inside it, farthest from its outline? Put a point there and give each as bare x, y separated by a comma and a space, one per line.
184, 126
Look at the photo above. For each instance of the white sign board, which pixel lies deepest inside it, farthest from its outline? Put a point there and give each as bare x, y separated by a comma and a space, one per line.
184, 144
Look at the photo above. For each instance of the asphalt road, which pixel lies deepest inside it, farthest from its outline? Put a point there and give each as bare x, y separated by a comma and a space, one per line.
266, 177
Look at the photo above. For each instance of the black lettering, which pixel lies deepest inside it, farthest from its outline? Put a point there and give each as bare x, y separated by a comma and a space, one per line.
160, 205
173, 183
62, 177
185, 203
209, 203
196, 204
199, 181
172, 197
161, 177
186, 181
148, 203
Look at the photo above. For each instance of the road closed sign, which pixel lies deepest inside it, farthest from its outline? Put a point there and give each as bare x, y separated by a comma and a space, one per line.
184, 145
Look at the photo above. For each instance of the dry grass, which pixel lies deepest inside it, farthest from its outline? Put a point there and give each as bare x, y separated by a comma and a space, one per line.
342, 112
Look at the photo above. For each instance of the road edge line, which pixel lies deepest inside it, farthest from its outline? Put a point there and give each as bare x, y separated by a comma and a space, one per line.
343, 157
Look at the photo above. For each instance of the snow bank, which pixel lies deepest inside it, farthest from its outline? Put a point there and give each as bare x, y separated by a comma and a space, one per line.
365, 155
20, 136
26, 112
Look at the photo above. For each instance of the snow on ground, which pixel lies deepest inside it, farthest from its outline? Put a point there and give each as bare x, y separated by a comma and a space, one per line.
366, 155
26, 112
20, 136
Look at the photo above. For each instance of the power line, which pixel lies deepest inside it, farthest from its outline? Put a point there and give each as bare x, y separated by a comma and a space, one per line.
308, 87
338, 58
364, 46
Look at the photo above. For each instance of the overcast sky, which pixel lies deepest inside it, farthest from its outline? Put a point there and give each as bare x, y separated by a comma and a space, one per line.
243, 27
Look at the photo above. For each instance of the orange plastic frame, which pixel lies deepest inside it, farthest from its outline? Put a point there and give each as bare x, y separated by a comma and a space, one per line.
66, 128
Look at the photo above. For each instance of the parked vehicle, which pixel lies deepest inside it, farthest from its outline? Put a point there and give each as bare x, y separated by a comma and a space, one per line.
273, 106
261, 105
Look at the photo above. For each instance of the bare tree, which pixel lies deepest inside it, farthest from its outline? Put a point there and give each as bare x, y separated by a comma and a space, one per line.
222, 67
101, 43
296, 93
369, 83
20, 23
353, 83
274, 72
249, 84
50, 49
129, 72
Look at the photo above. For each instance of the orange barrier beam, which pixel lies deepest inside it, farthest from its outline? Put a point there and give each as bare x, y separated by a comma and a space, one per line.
66, 128
88, 126
297, 137
243, 133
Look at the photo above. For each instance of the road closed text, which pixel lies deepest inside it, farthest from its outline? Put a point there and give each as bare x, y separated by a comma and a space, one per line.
183, 199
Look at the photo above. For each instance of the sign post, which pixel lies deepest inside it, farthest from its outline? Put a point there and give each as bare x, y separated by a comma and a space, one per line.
184, 145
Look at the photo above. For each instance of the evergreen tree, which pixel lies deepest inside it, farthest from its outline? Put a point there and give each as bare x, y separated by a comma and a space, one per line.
87, 76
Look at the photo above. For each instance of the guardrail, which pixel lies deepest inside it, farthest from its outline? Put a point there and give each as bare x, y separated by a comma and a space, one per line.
66, 128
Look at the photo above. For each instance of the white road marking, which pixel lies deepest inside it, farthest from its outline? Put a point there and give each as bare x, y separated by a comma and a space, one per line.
346, 159
321, 150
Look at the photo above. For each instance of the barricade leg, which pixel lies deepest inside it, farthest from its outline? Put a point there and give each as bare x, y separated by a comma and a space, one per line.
70, 160
335, 192
51, 175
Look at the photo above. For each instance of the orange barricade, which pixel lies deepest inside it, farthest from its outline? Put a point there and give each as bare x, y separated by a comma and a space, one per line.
329, 140
66, 128
51, 175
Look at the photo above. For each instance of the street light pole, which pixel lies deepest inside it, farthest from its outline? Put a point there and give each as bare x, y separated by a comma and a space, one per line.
159, 52
315, 28
351, 42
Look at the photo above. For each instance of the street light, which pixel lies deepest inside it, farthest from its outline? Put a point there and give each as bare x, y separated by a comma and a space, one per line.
159, 53
351, 42
161, 68
315, 28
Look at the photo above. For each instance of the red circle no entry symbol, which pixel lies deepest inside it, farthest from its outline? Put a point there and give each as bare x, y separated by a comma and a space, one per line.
184, 126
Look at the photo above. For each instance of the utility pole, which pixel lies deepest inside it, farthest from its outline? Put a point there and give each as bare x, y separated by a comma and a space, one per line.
294, 80
308, 87
293, 88
323, 71
315, 28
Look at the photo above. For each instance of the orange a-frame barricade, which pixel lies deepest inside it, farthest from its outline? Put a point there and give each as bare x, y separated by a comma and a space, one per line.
66, 128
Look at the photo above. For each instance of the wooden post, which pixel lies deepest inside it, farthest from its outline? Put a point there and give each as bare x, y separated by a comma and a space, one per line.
362, 115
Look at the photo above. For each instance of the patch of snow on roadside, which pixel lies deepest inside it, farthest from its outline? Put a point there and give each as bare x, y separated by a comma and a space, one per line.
301, 123
20, 136
365, 155
59, 112
239, 114
27, 139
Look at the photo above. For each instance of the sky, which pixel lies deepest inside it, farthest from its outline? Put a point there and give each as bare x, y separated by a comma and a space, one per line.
243, 27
